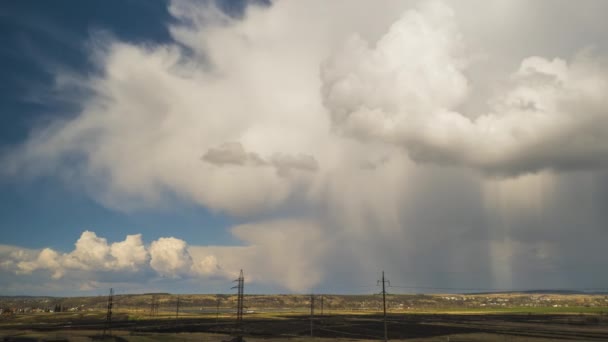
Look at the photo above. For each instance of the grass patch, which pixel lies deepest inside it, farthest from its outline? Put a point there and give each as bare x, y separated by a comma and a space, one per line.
512, 310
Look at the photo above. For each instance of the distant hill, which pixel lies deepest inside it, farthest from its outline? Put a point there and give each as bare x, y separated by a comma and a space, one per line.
545, 291
206, 302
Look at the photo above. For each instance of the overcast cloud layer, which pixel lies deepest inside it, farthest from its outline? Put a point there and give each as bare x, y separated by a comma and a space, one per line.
422, 138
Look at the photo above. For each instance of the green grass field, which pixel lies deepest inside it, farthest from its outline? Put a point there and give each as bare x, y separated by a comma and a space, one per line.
512, 310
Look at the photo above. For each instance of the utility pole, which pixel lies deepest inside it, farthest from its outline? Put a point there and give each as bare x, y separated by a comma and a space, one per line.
154, 306
240, 293
217, 310
108, 326
177, 310
321, 305
384, 281
312, 314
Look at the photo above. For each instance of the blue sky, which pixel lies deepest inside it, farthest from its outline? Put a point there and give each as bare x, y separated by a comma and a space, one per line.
164, 146
40, 38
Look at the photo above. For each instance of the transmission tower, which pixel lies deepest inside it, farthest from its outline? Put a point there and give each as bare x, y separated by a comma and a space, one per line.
239, 305
321, 305
177, 310
312, 314
217, 310
154, 306
384, 281
108, 326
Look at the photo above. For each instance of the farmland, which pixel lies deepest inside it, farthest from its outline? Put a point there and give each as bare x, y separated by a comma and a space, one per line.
508, 316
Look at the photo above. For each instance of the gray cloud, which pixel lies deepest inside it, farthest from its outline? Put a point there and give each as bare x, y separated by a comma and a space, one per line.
285, 163
443, 146
231, 153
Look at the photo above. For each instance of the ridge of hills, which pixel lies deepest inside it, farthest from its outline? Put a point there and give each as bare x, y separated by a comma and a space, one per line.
166, 301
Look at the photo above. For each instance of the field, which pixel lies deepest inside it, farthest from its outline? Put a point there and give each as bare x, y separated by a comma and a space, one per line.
346, 318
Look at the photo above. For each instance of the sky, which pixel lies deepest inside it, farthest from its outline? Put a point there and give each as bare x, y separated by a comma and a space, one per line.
164, 146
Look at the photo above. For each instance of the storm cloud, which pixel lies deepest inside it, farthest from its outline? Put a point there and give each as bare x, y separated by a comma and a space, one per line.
416, 137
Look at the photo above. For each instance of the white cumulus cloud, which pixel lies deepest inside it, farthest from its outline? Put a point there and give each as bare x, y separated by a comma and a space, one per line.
433, 140
91, 253
407, 89
169, 257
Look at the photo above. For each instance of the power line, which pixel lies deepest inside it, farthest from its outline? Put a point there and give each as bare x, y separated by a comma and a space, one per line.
312, 314
177, 310
384, 281
108, 325
217, 310
239, 305
154, 306
321, 305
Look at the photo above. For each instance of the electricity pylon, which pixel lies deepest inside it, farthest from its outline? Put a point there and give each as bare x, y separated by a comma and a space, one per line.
384, 281
312, 314
108, 326
240, 291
